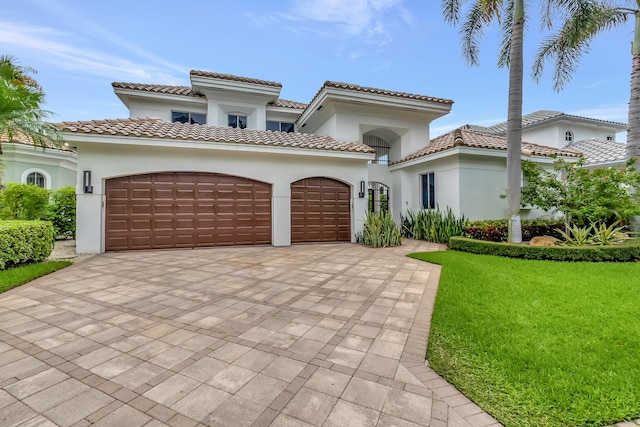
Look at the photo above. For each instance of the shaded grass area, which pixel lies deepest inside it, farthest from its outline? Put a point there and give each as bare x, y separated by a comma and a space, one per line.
17, 276
539, 343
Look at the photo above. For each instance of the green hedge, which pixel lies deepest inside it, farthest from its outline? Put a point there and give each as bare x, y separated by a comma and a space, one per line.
620, 253
24, 241
496, 230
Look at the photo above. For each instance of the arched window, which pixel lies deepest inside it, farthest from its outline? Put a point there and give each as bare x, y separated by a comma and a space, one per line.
381, 146
568, 136
36, 178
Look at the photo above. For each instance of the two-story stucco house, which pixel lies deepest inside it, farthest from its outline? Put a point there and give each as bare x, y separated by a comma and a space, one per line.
225, 161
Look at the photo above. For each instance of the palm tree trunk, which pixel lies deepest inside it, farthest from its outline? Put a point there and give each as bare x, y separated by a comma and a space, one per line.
514, 124
633, 125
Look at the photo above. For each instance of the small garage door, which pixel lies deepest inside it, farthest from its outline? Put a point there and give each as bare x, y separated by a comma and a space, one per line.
320, 211
186, 210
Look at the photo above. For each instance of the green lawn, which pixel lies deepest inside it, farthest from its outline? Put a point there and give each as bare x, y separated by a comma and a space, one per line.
17, 276
539, 343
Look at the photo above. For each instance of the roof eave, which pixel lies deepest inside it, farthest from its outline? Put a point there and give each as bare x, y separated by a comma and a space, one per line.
126, 94
329, 93
475, 151
200, 83
79, 138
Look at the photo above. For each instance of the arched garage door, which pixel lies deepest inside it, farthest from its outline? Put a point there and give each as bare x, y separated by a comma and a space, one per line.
186, 210
320, 211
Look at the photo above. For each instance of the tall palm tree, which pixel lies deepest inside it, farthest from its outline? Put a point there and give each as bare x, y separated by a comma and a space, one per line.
21, 100
510, 15
582, 21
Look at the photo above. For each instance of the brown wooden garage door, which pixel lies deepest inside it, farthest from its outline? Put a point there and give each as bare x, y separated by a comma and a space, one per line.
320, 211
186, 210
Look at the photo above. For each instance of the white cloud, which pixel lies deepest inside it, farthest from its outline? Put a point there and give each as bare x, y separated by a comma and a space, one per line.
366, 19
91, 29
61, 49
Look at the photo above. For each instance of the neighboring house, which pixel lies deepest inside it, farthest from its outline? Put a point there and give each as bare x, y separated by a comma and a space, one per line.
225, 161
49, 167
594, 138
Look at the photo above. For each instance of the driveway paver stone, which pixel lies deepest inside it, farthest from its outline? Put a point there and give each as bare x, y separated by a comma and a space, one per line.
306, 335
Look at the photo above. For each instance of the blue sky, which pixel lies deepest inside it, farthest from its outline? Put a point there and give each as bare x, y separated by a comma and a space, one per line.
80, 47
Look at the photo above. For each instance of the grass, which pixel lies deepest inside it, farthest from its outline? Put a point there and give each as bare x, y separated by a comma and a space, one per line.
17, 276
539, 343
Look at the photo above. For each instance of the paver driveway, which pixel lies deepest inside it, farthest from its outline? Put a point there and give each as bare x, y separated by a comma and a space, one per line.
330, 334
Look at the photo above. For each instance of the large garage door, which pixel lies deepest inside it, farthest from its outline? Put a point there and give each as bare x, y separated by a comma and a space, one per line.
186, 210
320, 211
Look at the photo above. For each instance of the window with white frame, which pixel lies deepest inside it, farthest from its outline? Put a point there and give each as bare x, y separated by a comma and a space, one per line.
568, 136
279, 126
36, 178
237, 121
187, 117
609, 138
428, 190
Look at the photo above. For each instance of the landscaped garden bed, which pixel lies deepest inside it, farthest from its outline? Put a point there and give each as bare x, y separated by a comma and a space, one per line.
539, 343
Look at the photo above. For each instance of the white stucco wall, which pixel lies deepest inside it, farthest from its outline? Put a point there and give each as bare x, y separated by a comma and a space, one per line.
553, 134
160, 109
411, 129
279, 167
469, 181
447, 180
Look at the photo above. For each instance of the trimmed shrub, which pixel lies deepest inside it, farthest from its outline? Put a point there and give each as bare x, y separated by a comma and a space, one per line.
630, 251
432, 225
497, 230
380, 231
24, 241
23, 201
62, 212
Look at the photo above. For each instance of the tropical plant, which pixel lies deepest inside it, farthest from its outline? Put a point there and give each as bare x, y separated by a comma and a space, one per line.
584, 196
608, 235
576, 235
380, 231
582, 21
433, 225
21, 102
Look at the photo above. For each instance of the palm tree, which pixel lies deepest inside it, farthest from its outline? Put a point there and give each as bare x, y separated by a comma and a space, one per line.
582, 21
21, 112
510, 15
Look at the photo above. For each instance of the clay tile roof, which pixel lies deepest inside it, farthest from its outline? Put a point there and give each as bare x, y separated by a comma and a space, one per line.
540, 116
596, 150
289, 104
155, 128
23, 140
166, 89
201, 73
357, 88
468, 138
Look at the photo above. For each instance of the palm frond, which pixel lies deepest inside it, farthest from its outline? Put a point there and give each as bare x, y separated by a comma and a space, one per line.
478, 18
451, 10
506, 33
567, 46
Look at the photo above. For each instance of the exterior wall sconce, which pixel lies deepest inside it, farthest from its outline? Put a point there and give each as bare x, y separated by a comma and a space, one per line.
86, 182
361, 193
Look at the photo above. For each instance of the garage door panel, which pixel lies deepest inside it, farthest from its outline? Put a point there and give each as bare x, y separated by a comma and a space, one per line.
184, 209
320, 210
